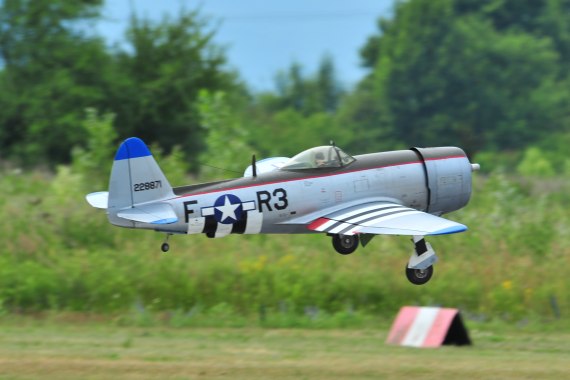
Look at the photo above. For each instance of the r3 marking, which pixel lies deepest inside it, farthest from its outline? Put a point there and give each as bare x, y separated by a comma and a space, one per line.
265, 198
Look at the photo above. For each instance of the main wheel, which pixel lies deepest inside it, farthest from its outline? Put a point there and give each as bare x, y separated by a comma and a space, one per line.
345, 244
165, 247
419, 276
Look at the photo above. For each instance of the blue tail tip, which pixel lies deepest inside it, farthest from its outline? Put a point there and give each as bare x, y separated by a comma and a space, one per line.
133, 147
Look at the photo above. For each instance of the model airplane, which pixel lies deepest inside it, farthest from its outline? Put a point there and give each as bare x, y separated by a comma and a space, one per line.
321, 190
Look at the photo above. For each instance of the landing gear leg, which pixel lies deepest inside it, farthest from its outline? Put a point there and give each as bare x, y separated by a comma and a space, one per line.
165, 246
345, 244
419, 269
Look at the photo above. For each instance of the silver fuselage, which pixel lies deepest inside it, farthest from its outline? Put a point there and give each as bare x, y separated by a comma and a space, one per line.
434, 180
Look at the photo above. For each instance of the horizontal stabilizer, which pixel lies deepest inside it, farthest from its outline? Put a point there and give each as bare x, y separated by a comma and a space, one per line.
384, 218
99, 199
154, 213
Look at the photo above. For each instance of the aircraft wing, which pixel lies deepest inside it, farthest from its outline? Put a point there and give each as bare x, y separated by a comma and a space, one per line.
384, 218
154, 213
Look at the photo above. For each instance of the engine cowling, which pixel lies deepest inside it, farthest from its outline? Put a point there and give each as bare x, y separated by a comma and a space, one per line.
448, 178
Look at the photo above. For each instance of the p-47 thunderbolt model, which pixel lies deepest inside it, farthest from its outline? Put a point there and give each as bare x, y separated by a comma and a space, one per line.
321, 190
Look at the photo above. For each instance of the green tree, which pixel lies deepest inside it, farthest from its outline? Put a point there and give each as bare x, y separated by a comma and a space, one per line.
300, 113
52, 69
320, 92
445, 73
328, 91
94, 160
366, 126
550, 19
291, 132
227, 140
163, 69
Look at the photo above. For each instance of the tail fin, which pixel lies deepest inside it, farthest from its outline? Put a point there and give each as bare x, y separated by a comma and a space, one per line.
135, 179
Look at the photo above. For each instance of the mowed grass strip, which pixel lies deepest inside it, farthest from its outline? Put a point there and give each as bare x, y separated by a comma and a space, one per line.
105, 352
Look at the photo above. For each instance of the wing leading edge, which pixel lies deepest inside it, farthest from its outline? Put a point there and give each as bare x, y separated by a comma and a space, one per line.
384, 218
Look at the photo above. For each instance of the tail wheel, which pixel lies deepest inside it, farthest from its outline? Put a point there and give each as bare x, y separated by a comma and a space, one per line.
165, 246
345, 244
419, 276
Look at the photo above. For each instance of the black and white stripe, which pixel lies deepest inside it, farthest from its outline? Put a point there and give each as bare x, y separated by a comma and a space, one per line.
347, 222
249, 223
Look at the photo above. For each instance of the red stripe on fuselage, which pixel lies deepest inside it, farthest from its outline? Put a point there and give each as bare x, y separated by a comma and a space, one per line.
314, 176
317, 223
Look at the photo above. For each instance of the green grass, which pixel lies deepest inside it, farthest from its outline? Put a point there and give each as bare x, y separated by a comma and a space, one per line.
96, 350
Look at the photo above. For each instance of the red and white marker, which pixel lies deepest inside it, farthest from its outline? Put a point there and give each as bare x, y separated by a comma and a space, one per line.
428, 327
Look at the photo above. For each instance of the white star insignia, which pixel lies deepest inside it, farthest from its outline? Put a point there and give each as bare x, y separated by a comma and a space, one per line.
228, 210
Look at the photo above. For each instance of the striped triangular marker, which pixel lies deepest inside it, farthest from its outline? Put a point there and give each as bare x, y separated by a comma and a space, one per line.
428, 327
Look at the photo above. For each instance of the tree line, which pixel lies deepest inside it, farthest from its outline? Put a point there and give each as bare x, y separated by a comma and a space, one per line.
491, 76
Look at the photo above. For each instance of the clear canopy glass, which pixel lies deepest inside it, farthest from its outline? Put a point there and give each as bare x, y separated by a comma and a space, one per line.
319, 157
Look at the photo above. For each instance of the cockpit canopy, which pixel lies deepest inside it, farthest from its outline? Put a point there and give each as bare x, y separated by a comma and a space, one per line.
319, 157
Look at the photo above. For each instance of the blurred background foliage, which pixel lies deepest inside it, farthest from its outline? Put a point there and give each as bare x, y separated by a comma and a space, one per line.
491, 76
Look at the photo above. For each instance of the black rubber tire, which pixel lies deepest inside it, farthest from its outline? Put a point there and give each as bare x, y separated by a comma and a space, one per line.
165, 247
418, 276
345, 244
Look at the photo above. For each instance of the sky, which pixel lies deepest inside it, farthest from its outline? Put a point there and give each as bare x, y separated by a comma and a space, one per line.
262, 37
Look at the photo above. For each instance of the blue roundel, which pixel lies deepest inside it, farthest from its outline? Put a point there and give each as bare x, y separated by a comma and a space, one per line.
228, 209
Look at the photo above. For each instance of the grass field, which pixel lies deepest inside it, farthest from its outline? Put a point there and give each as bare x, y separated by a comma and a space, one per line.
50, 350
